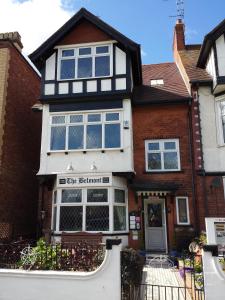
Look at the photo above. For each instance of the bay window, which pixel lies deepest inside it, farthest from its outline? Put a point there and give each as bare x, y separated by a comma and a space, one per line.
162, 155
89, 209
85, 62
86, 131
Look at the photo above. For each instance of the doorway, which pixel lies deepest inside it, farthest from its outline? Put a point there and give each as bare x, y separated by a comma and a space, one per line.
155, 225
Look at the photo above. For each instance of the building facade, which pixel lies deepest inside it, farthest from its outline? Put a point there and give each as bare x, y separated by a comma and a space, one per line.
203, 69
19, 140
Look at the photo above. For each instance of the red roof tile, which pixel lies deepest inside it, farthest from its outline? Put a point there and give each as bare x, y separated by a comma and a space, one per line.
172, 89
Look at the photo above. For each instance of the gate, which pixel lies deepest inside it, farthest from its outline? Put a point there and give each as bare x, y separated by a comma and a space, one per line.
165, 278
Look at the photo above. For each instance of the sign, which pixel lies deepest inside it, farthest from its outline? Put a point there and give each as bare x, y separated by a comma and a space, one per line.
134, 220
215, 232
84, 180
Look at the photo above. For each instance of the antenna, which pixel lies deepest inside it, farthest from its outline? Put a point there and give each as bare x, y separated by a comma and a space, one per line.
180, 10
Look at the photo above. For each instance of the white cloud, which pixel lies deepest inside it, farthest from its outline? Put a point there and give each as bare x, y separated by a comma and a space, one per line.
35, 20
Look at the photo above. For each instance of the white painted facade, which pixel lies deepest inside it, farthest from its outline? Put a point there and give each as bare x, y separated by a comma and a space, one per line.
213, 147
118, 160
220, 47
210, 66
103, 283
120, 69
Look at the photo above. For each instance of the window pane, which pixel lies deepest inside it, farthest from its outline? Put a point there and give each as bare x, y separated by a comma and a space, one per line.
119, 218
70, 218
54, 218
97, 195
154, 211
69, 52
112, 117
154, 161
84, 67
169, 145
67, 69
102, 66
58, 135
55, 197
97, 218
119, 196
76, 119
182, 210
102, 49
69, 196
94, 136
58, 119
84, 51
224, 129
94, 118
153, 146
112, 135
76, 137
170, 160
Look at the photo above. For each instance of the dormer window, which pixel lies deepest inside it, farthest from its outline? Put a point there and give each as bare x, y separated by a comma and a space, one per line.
85, 62
155, 82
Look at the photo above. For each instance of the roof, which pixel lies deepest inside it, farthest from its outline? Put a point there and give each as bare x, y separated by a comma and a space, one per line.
43, 52
189, 58
173, 88
209, 40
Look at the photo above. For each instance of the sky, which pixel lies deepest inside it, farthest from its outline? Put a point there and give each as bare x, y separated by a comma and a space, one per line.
147, 22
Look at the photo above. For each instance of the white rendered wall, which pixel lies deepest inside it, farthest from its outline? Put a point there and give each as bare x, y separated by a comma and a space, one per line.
213, 152
50, 67
214, 279
104, 283
110, 161
210, 66
220, 47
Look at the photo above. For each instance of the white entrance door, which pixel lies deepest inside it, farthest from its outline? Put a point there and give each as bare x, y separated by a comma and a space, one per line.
155, 225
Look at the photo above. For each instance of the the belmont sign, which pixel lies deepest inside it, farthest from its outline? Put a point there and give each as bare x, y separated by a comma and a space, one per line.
84, 180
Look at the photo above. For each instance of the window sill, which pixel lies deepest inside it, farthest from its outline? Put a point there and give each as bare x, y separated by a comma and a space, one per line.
104, 233
163, 172
86, 78
84, 151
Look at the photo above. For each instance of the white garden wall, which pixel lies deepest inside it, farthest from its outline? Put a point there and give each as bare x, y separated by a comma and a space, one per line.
214, 278
104, 283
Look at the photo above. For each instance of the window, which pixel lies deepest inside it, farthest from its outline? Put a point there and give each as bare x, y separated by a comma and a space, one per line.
85, 131
162, 155
182, 210
89, 209
156, 82
85, 62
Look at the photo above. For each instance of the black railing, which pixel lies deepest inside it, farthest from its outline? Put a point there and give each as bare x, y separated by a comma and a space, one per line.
80, 256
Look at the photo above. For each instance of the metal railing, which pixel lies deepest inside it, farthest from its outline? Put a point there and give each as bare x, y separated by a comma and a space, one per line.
79, 256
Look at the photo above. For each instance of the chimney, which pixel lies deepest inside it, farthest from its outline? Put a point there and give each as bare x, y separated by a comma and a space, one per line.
179, 38
14, 37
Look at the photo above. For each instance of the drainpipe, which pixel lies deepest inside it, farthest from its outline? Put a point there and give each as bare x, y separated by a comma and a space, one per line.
191, 150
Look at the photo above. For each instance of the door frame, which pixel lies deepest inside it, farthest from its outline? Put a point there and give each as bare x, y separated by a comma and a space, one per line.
163, 201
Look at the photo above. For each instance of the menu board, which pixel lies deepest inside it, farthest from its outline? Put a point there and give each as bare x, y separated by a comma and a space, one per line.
220, 235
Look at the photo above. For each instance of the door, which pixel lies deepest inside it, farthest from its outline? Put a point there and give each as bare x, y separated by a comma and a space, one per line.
155, 225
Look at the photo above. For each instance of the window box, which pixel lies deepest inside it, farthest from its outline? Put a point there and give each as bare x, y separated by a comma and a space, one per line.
162, 155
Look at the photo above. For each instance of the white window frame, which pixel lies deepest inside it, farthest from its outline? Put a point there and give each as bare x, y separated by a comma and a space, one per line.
161, 151
110, 203
219, 122
187, 208
85, 123
77, 56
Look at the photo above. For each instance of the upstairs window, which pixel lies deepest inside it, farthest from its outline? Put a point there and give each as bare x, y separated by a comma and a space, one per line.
86, 131
162, 155
85, 62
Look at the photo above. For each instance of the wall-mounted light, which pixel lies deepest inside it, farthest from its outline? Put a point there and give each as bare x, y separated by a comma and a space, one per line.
70, 167
126, 124
43, 214
93, 166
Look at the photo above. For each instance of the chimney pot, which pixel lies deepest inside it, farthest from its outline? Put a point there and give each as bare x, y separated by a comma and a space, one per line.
14, 37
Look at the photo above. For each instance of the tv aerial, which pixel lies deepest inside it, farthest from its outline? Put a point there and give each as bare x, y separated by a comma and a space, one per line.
180, 9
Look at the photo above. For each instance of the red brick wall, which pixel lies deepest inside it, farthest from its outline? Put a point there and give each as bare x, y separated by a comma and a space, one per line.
21, 148
84, 33
162, 122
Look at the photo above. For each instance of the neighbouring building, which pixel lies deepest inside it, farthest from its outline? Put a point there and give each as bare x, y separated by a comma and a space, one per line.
203, 70
19, 140
116, 153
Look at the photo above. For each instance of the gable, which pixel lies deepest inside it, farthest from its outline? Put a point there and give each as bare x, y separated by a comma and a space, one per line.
85, 32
